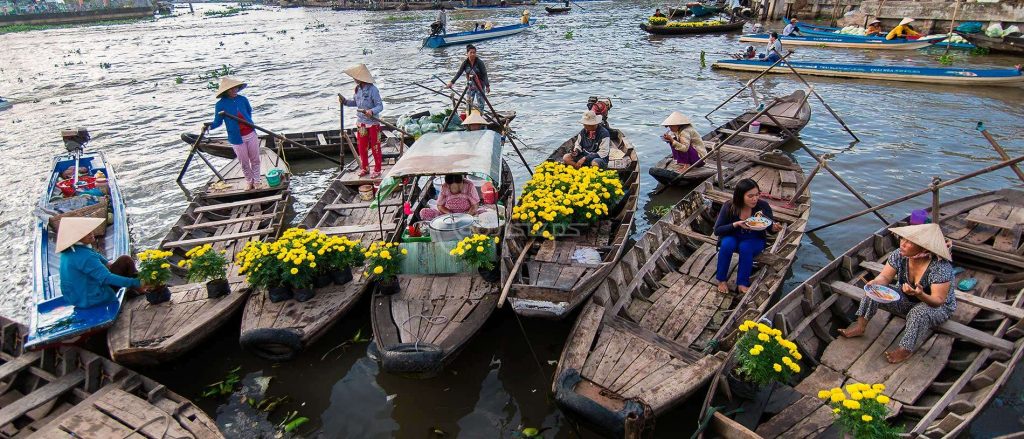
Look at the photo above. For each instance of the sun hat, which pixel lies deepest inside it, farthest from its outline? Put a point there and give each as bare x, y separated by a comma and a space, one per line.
875, 21
928, 236
359, 72
907, 20
474, 118
228, 84
72, 229
526, 12
676, 118
589, 118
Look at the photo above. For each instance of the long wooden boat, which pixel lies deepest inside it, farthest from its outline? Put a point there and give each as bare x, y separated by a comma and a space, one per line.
793, 112
326, 142
442, 302
948, 380
930, 75
695, 10
557, 10
827, 31
556, 276
279, 331
227, 217
846, 41
54, 320
1010, 45
70, 392
690, 30
467, 37
658, 328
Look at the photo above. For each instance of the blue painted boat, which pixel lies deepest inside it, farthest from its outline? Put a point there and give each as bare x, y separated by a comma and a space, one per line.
846, 41
931, 75
467, 37
54, 320
827, 31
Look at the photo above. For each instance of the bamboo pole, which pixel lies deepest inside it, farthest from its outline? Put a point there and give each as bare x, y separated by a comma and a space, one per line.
952, 23
280, 137
749, 84
513, 270
807, 181
188, 160
827, 107
999, 149
497, 118
935, 199
343, 136
914, 194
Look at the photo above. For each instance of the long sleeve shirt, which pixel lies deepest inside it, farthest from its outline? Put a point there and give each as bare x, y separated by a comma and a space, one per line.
724, 225
686, 138
475, 69
238, 107
85, 280
901, 31
773, 46
790, 29
599, 143
366, 97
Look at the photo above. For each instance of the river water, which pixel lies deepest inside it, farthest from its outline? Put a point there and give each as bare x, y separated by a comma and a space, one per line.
122, 82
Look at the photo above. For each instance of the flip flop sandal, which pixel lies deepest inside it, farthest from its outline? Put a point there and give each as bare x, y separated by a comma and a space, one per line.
958, 270
966, 284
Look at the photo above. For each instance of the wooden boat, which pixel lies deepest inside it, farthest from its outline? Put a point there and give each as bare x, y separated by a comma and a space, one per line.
846, 41
70, 392
54, 320
556, 276
467, 37
1012, 45
557, 10
655, 331
950, 378
326, 142
827, 31
792, 111
442, 302
279, 331
227, 218
690, 30
695, 9
930, 75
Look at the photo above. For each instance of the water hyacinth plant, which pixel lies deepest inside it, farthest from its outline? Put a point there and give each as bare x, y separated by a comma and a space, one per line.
384, 259
861, 410
763, 356
476, 250
154, 270
203, 264
558, 195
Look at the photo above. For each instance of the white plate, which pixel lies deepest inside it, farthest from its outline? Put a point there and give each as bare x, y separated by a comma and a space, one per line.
767, 223
881, 293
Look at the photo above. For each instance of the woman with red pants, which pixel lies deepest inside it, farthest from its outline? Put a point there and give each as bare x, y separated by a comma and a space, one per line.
368, 107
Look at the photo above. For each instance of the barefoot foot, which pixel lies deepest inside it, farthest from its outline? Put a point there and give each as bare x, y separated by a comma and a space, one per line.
898, 356
743, 289
856, 330
723, 287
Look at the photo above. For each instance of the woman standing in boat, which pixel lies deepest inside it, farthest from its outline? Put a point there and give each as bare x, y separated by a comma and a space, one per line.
686, 143
735, 235
476, 75
242, 137
369, 106
922, 270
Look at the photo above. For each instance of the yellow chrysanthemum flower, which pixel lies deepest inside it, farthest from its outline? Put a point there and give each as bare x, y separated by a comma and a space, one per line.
294, 271
378, 269
763, 337
777, 367
866, 418
882, 399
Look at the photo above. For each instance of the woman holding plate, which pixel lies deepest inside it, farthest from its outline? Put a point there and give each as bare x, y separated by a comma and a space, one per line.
922, 271
741, 227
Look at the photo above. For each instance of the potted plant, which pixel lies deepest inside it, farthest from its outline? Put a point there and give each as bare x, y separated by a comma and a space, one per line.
762, 357
206, 265
339, 255
558, 195
299, 270
657, 21
478, 251
384, 260
861, 410
262, 263
154, 272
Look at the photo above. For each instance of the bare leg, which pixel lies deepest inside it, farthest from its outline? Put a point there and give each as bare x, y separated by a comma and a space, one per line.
855, 330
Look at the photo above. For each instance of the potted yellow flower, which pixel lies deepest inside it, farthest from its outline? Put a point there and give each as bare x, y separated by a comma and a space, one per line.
339, 255
861, 410
261, 263
657, 21
154, 272
558, 195
762, 357
383, 262
478, 251
206, 265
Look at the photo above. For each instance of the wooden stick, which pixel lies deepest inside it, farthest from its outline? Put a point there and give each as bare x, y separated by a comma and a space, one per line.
455, 109
952, 22
497, 117
512, 272
999, 149
827, 107
188, 160
935, 199
914, 194
748, 84
843, 182
280, 137
344, 134
807, 181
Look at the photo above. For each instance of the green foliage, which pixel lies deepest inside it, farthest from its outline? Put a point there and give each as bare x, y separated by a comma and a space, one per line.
979, 51
205, 264
657, 21
568, 35
229, 11
861, 411
661, 210
383, 259
478, 251
763, 356
947, 59
292, 421
179, 80
223, 387
154, 268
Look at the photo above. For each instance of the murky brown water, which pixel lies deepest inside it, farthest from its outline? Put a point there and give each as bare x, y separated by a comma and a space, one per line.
292, 59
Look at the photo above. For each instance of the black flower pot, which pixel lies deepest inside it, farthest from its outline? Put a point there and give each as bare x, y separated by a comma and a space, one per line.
217, 288
388, 287
322, 280
158, 294
304, 294
279, 293
493, 275
343, 276
741, 388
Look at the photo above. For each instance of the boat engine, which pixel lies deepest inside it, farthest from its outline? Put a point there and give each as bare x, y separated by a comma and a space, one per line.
75, 139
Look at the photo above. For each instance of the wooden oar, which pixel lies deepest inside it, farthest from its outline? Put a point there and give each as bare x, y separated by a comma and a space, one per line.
512, 272
193, 152
344, 134
577, 5
497, 117
280, 137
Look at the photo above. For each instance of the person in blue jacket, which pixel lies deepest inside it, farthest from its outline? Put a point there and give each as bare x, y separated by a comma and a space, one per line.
86, 278
366, 99
734, 235
242, 137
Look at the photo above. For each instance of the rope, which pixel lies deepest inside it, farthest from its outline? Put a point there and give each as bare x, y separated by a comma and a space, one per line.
431, 319
703, 424
167, 426
712, 346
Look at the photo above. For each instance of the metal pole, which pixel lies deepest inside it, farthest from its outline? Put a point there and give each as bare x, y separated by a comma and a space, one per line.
748, 84
278, 136
986, 170
999, 149
827, 107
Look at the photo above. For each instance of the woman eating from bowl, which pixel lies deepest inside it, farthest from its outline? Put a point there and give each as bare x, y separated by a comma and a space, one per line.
458, 195
736, 234
922, 271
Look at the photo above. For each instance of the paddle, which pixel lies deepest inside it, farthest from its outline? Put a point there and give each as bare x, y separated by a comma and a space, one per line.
344, 135
511, 272
280, 137
577, 5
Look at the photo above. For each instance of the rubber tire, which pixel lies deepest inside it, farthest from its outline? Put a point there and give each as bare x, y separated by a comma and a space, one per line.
410, 358
272, 344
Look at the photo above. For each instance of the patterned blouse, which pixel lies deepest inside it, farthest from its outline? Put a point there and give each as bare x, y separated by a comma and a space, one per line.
938, 271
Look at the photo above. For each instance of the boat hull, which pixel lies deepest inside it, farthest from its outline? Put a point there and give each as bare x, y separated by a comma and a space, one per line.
840, 41
666, 30
888, 73
825, 31
437, 41
1010, 45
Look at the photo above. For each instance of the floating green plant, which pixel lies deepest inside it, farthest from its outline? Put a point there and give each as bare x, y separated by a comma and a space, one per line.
223, 387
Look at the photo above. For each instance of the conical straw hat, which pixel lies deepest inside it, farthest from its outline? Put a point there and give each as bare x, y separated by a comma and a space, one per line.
676, 118
474, 118
928, 236
359, 72
590, 118
228, 84
72, 229
907, 20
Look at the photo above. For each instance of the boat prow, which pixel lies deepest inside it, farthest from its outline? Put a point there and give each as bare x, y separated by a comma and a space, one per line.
930, 75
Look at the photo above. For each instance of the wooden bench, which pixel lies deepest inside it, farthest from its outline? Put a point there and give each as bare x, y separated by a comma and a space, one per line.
240, 219
342, 206
222, 206
40, 396
217, 238
758, 136
358, 228
979, 218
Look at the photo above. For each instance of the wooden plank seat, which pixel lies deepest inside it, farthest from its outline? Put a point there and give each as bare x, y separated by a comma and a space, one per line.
41, 396
362, 205
979, 218
233, 204
217, 238
218, 223
759, 136
358, 228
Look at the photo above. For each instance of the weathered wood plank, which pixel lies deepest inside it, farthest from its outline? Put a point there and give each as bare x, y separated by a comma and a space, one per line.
233, 204
41, 396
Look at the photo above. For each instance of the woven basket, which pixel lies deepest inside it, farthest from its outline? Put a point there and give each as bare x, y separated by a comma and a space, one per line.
98, 210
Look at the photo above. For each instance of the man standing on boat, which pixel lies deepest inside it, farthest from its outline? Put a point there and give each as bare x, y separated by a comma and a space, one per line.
476, 75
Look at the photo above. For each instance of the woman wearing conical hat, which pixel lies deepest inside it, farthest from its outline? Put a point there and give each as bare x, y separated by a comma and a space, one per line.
368, 105
243, 139
686, 143
475, 122
86, 278
903, 30
922, 271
